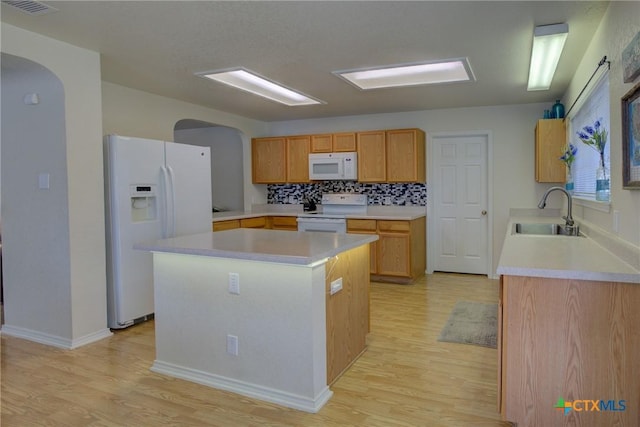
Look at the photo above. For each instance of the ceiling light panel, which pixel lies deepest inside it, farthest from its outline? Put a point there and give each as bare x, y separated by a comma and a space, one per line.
447, 71
249, 81
548, 43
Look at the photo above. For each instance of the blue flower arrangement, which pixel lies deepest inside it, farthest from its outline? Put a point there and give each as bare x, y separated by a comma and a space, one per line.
569, 155
595, 137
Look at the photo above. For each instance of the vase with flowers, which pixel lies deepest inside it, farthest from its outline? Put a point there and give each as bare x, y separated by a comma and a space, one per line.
596, 137
568, 157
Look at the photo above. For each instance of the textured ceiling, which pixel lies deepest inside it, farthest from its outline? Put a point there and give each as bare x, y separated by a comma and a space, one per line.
158, 46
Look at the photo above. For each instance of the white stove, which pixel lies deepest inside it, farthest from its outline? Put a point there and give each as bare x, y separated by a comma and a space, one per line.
335, 208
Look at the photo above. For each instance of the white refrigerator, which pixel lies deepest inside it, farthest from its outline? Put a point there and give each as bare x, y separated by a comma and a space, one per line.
153, 190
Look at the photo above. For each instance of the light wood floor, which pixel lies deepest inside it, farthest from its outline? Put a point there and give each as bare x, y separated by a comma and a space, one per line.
405, 378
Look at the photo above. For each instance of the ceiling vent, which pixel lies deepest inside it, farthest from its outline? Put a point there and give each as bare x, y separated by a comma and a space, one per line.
31, 7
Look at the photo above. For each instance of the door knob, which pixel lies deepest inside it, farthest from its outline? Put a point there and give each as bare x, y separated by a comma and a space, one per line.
483, 213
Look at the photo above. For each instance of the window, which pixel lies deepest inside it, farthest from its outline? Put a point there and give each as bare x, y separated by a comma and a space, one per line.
595, 107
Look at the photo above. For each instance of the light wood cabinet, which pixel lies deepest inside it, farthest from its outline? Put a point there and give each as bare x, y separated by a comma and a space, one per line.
322, 143
298, 158
550, 138
405, 155
225, 225
400, 253
571, 339
269, 160
371, 156
383, 156
333, 142
366, 226
284, 223
344, 142
347, 311
258, 222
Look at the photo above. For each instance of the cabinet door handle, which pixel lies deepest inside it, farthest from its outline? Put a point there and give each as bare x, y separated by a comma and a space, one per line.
483, 213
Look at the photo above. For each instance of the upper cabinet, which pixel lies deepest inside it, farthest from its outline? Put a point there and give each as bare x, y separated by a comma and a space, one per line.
269, 160
333, 142
406, 155
396, 155
372, 156
280, 159
298, 158
344, 142
550, 138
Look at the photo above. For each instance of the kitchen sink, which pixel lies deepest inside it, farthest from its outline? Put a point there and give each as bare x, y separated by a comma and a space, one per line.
546, 229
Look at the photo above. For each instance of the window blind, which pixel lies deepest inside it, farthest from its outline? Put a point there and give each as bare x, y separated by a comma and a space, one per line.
595, 107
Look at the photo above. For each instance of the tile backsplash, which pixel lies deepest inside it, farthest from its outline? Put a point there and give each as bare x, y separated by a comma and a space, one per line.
398, 194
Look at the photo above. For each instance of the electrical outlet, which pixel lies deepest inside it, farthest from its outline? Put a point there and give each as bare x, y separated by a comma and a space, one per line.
616, 221
234, 283
232, 345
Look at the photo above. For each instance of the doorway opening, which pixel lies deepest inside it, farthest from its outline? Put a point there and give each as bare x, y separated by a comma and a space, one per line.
227, 174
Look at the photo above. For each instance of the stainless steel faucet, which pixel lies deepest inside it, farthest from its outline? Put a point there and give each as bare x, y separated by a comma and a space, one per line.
543, 203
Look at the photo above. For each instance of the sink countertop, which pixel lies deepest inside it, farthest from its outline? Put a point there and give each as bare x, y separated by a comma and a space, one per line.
407, 213
285, 247
562, 257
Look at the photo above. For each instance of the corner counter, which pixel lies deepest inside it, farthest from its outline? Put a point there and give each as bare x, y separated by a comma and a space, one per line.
568, 324
273, 315
560, 257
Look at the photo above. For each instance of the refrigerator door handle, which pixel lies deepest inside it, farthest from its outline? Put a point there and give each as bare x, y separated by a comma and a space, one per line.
164, 222
172, 206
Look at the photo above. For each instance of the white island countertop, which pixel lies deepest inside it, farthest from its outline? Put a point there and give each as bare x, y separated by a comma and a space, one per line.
285, 247
561, 257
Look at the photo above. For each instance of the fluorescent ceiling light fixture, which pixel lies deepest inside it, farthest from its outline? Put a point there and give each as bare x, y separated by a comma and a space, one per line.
253, 83
446, 71
548, 42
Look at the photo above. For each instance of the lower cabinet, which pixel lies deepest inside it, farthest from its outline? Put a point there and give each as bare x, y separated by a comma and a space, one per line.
568, 343
225, 225
258, 222
400, 253
284, 223
272, 222
366, 226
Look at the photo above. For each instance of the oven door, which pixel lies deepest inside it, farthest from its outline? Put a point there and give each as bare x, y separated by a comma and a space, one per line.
327, 225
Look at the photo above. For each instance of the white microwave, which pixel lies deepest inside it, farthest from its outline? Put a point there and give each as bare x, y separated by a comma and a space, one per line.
327, 166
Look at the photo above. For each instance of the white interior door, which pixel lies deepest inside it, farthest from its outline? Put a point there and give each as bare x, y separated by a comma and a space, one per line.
460, 203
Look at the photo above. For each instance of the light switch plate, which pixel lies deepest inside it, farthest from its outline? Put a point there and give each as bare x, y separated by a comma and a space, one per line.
234, 283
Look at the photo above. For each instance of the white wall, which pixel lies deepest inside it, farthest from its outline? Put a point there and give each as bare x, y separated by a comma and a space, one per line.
227, 171
619, 25
130, 112
36, 236
79, 72
512, 128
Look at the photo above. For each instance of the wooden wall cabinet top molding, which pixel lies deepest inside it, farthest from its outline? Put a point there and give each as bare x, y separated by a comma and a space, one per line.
550, 138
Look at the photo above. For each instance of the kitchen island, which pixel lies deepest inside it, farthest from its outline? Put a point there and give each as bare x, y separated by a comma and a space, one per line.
568, 340
274, 315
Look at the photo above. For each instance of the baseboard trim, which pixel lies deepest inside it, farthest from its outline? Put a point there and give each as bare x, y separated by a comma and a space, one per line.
289, 400
53, 340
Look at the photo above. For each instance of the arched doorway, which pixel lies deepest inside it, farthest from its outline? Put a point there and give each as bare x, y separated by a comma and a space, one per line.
227, 181
34, 194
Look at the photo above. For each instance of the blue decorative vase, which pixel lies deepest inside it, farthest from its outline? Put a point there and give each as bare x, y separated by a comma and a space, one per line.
557, 111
